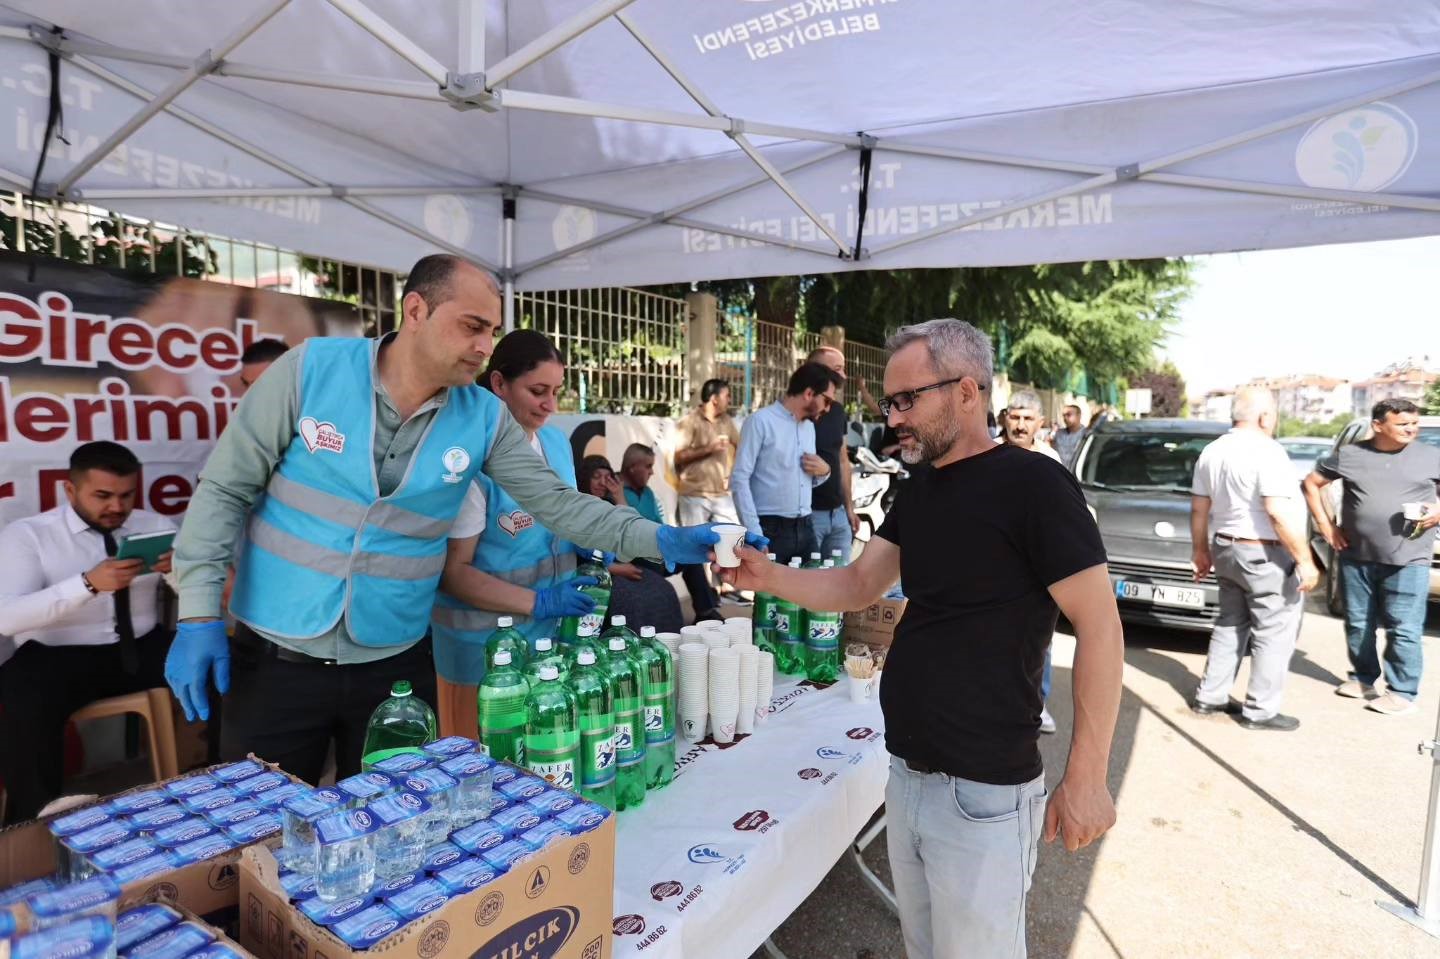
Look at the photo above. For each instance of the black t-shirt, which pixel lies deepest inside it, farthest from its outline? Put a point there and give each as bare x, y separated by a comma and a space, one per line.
980, 541
830, 446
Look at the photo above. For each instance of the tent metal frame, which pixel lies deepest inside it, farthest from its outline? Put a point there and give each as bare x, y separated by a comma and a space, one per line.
473, 86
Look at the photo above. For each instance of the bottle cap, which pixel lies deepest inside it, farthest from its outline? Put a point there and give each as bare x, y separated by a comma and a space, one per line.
548, 673
505, 622
586, 657
401, 688
502, 657
598, 555
770, 557
837, 552
795, 561
814, 555
617, 620
647, 631
617, 645
543, 644
828, 564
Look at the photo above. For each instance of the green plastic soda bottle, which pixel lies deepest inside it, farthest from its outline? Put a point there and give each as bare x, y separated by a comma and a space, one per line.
822, 643
629, 686
813, 562
401, 724
546, 654
596, 703
837, 556
659, 708
500, 703
788, 633
618, 627
764, 618
575, 628
510, 639
552, 730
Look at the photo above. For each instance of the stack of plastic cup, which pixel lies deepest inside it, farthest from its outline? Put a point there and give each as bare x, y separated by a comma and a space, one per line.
692, 634
694, 690
749, 689
717, 638
764, 685
670, 641
724, 677
741, 630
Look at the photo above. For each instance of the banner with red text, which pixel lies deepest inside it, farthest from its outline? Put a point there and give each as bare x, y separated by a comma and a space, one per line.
151, 362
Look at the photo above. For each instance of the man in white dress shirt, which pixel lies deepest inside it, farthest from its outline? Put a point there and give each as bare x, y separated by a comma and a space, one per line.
86, 626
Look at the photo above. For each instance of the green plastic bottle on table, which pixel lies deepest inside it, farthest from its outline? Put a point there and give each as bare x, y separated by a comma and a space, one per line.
763, 617
545, 654
629, 688
575, 630
401, 724
659, 707
619, 627
510, 639
552, 730
500, 702
788, 633
813, 562
838, 557
822, 642
590, 682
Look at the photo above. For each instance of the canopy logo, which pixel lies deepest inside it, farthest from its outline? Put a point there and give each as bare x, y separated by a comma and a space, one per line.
446, 217
1365, 149
572, 225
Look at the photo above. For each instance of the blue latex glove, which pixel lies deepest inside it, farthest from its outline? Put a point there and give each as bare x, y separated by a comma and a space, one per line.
681, 545
198, 650
564, 599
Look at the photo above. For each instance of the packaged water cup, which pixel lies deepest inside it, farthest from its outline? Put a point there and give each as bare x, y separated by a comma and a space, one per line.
298, 815
441, 855
162, 861
122, 853
297, 885
401, 833
90, 938
498, 802
552, 801
504, 773
234, 814
97, 896
234, 772
79, 821
582, 817
515, 820
273, 799
450, 747
402, 763
324, 913
363, 788
206, 847
152, 820
141, 923
176, 942
346, 864
203, 804
75, 850
522, 787
186, 830
438, 788
9, 897
263, 782
504, 856
129, 803
384, 888
467, 875
538, 837
192, 785
251, 831
415, 901
216, 950
368, 926
475, 773
479, 837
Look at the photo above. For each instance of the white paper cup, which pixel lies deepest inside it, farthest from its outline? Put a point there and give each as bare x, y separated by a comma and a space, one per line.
722, 725
859, 688
693, 725
731, 536
1415, 511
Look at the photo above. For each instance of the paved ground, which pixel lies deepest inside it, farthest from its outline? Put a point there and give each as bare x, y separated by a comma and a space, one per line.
1230, 844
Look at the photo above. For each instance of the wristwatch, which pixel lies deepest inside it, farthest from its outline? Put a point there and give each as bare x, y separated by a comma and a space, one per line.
89, 585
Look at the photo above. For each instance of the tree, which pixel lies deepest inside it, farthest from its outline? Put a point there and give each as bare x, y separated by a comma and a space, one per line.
1166, 386
1431, 402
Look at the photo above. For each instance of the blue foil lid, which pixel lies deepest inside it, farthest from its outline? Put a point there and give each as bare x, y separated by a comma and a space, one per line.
176, 942
72, 823
477, 837
186, 830
314, 802
276, 798
553, 801
450, 746
342, 826
515, 820
297, 885
262, 783
423, 897
192, 785
368, 926
467, 765
209, 801
139, 801
582, 817
142, 922
206, 847
366, 785
402, 763
86, 938
254, 830
153, 819
441, 855
538, 837
430, 780
324, 913
105, 834
162, 861
123, 853
506, 855
522, 787
93, 893
399, 808
235, 813
234, 772
467, 875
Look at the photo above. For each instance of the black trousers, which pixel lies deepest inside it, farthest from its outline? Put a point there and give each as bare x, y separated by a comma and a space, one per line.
789, 537
39, 688
289, 712
697, 582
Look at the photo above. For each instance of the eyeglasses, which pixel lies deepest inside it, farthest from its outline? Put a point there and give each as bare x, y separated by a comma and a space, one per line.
903, 401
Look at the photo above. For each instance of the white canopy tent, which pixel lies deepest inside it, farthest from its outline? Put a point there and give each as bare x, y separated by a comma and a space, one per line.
569, 143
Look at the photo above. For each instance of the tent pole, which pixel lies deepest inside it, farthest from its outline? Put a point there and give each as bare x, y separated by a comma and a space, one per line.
1426, 912
381, 29
472, 36
202, 65
263, 192
507, 252
1394, 200
552, 39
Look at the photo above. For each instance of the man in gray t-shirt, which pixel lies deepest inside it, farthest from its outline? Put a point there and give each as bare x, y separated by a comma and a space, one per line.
1384, 558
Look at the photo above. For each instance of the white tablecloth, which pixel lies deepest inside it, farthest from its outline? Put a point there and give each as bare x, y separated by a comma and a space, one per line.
712, 864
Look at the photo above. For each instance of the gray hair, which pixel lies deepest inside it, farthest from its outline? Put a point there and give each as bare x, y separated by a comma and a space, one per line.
956, 348
1025, 400
1250, 403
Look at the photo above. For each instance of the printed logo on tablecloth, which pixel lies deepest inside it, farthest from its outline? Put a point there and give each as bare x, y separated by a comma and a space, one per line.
757, 820
809, 773
863, 733
707, 854
628, 925
829, 752
666, 890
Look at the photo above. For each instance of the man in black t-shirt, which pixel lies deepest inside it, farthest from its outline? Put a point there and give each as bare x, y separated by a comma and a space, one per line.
832, 515
986, 575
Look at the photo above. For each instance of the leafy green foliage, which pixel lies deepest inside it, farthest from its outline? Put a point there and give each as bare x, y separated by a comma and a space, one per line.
1431, 402
1289, 426
1166, 386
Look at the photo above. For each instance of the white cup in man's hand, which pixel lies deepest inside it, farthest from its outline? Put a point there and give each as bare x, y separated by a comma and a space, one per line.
1416, 511
731, 536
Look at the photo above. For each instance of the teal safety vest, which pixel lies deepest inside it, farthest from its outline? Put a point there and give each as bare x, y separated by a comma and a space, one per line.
515, 548
322, 542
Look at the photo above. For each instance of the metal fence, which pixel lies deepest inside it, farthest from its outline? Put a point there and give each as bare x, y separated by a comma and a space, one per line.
625, 350
757, 358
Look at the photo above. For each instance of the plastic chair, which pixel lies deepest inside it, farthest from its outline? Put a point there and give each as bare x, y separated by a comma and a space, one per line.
153, 706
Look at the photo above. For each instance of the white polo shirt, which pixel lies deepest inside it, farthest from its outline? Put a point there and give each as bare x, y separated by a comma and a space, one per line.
42, 597
1238, 472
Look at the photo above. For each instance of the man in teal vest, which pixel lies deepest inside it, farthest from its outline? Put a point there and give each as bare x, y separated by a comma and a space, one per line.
345, 465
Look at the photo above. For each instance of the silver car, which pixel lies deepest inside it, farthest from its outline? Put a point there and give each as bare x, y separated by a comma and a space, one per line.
1136, 476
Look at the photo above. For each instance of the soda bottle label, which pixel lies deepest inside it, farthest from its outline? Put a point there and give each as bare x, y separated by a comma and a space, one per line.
656, 730
781, 619
599, 754
629, 741
558, 771
590, 623
823, 633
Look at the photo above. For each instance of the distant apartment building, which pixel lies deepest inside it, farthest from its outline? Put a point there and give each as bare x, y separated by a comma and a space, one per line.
1309, 397
1407, 380
1216, 405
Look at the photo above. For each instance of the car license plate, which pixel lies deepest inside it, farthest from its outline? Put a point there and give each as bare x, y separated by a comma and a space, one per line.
1160, 595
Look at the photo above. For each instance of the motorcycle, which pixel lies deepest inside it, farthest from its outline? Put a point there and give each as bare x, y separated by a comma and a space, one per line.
874, 481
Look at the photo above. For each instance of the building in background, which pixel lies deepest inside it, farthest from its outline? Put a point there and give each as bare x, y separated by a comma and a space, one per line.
1407, 380
1215, 406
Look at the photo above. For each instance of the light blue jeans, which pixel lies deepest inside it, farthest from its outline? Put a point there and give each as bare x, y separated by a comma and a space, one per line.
832, 529
1377, 594
961, 857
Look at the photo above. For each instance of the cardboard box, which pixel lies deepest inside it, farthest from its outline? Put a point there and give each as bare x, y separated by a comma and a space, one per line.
209, 888
875, 624
558, 905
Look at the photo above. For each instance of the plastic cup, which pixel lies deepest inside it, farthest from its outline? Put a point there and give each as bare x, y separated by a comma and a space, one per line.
859, 688
731, 536
692, 725
1415, 511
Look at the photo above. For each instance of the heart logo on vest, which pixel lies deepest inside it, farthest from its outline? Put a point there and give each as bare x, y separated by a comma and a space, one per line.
321, 436
515, 522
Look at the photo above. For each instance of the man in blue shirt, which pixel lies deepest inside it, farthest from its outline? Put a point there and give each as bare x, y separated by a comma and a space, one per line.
776, 467
636, 468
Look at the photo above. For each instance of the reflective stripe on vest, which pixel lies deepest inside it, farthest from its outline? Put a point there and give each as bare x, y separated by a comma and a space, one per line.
387, 516
332, 562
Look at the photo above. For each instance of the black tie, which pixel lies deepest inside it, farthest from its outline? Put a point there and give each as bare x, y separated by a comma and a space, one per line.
124, 628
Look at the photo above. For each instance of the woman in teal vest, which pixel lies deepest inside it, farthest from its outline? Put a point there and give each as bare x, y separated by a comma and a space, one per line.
500, 561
